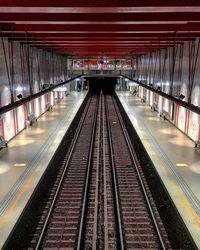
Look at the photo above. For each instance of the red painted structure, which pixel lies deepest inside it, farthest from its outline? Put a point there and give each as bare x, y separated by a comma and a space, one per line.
100, 28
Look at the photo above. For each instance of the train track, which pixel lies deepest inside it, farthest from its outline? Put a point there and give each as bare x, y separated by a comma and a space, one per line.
100, 199
142, 227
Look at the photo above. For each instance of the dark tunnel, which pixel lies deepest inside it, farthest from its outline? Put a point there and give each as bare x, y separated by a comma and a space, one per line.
106, 84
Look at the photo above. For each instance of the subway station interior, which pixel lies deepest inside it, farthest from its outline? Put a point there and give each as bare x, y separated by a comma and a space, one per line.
99, 124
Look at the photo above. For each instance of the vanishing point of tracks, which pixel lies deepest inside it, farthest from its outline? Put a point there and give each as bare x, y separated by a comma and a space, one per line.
100, 199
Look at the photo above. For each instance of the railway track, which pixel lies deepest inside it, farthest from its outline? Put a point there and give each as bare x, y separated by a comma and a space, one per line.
62, 227
100, 199
142, 227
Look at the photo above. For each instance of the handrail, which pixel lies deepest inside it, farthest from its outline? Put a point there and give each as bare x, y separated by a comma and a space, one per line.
16, 104
193, 108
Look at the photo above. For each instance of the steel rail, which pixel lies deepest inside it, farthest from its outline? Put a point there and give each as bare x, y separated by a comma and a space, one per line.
62, 177
116, 192
136, 163
104, 180
95, 226
88, 174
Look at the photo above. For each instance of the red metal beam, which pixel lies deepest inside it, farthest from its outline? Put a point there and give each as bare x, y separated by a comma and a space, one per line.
102, 3
119, 28
104, 43
103, 39
99, 35
80, 27
97, 17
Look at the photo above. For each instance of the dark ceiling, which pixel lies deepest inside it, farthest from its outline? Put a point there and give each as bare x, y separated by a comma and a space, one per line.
110, 28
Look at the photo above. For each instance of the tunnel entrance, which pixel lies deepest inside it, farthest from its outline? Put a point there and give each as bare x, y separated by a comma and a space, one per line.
106, 84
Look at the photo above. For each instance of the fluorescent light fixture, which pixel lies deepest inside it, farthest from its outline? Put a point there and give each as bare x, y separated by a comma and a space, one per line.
158, 88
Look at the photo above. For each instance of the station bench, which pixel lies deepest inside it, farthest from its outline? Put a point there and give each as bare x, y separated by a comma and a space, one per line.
164, 114
49, 107
197, 144
3, 143
31, 119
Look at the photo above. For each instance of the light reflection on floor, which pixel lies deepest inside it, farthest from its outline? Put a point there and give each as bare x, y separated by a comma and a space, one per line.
20, 165
154, 119
36, 131
55, 114
62, 106
4, 167
55, 108
132, 117
181, 165
168, 131
49, 118
21, 143
142, 106
195, 167
180, 142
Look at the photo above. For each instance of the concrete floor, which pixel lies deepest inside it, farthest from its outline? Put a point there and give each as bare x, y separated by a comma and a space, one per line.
27, 156
174, 156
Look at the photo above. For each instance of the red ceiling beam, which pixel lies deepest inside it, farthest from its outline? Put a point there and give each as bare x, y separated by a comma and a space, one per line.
103, 50
107, 17
77, 27
102, 10
105, 27
80, 43
104, 39
102, 3
115, 35
128, 35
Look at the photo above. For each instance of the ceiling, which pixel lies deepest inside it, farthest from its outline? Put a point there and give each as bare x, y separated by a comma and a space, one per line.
90, 29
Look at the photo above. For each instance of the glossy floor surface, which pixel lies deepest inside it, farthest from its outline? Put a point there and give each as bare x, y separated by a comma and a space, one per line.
27, 156
174, 156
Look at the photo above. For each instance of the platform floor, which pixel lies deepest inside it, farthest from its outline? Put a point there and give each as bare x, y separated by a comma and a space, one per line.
27, 156
176, 159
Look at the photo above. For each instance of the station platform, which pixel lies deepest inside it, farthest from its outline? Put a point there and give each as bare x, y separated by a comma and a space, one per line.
174, 156
24, 161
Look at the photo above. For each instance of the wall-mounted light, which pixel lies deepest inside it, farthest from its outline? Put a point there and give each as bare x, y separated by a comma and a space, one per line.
158, 88
45, 86
181, 97
19, 96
